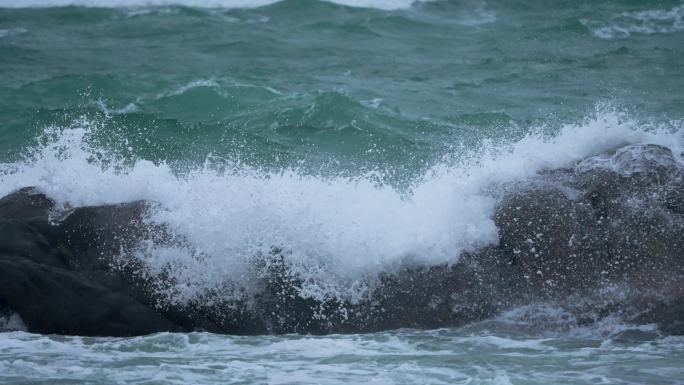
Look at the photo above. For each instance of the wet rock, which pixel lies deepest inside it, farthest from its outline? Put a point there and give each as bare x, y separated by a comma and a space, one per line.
428, 297
669, 316
54, 300
674, 198
25, 204
61, 283
634, 168
554, 241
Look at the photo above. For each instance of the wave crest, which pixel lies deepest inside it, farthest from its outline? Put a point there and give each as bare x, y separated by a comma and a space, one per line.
337, 231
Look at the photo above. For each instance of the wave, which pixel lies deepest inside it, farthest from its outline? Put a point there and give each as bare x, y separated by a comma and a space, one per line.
399, 357
379, 4
12, 32
647, 22
338, 231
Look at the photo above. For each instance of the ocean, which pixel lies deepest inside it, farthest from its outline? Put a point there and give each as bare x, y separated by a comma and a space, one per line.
359, 135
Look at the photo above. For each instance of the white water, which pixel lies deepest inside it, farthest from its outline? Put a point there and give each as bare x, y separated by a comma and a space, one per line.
379, 4
336, 232
11, 322
645, 22
481, 354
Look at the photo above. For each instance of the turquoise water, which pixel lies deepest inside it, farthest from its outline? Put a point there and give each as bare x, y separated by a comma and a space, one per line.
318, 85
361, 137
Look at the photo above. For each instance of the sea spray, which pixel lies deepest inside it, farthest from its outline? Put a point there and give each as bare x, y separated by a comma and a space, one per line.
337, 233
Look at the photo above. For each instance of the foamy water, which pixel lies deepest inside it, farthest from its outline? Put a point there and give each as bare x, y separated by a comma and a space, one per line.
489, 353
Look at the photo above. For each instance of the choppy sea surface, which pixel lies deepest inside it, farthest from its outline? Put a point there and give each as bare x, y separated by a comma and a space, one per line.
360, 135
494, 352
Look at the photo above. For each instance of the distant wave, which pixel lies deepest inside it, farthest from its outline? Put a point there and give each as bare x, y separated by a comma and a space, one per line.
641, 22
379, 4
11, 32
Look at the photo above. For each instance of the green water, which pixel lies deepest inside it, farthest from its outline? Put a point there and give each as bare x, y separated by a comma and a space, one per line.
314, 84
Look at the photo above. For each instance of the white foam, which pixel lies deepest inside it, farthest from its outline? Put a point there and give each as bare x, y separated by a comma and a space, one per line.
12, 32
379, 4
12, 322
478, 15
337, 232
642, 22
208, 83
399, 357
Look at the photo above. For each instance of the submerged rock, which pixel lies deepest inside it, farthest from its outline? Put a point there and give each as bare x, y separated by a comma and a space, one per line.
602, 237
9, 319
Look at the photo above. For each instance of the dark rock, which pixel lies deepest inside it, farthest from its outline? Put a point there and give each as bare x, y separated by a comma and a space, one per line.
635, 168
436, 296
53, 300
674, 198
60, 283
97, 234
25, 204
669, 316
555, 241
5, 309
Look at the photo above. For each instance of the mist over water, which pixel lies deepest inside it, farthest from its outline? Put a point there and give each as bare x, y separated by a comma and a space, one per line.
357, 138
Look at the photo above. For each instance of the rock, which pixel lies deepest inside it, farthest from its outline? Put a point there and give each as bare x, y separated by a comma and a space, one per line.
5, 309
612, 221
669, 316
25, 204
54, 300
56, 277
96, 235
635, 168
428, 297
554, 240
674, 198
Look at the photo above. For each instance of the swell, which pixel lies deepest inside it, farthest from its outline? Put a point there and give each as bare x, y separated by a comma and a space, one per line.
380, 4
237, 124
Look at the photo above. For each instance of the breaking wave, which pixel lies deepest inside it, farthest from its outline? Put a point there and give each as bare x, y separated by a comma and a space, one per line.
337, 231
641, 23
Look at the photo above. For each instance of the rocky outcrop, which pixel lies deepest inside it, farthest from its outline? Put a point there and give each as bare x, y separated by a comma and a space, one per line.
57, 278
602, 237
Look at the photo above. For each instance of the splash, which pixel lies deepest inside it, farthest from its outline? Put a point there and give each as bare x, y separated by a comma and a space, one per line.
336, 233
